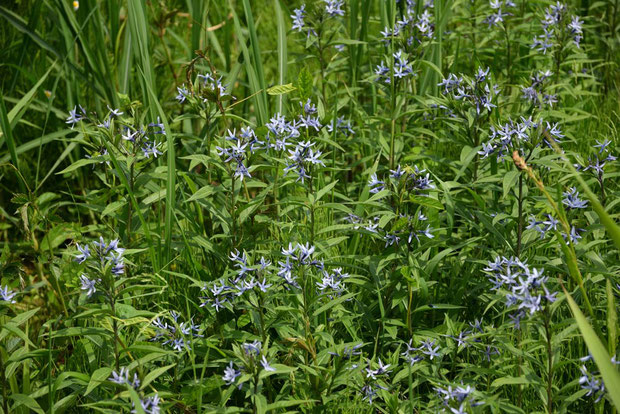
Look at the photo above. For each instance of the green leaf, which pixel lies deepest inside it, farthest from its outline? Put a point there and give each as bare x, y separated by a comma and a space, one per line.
202, 193
510, 178
330, 304
28, 401
288, 403
304, 83
80, 163
99, 376
426, 202
153, 375
281, 89
512, 381
325, 190
610, 374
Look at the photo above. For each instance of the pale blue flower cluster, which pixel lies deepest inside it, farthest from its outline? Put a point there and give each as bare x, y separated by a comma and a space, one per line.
478, 91
279, 130
150, 405
413, 28
535, 92
234, 287
75, 116
183, 93
139, 136
512, 135
333, 8
402, 68
230, 374
103, 256
252, 351
298, 18
309, 118
369, 390
238, 150
342, 126
524, 288
298, 257
499, 13
177, 335
332, 283
592, 381
597, 164
122, 378
458, 400
302, 158
7, 295
412, 355
543, 226
553, 24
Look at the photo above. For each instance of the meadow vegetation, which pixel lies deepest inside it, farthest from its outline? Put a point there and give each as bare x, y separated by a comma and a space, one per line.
389, 206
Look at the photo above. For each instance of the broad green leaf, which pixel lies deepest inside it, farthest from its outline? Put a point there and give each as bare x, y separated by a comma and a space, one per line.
281, 89
99, 376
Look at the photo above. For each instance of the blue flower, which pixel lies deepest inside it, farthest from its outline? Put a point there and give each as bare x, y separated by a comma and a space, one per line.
266, 365
122, 378
114, 112
159, 125
230, 374
590, 383
183, 94
84, 253
88, 285
298, 18
252, 348
571, 199
375, 184
150, 405
602, 145
74, 117
382, 370
7, 295
334, 7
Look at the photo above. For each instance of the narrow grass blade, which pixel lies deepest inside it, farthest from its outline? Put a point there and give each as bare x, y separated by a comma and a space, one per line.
171, 175
7, 131
612, 319
610, 374
20, 107
139, 35
253, 77
282, 54
256, 54
134, 202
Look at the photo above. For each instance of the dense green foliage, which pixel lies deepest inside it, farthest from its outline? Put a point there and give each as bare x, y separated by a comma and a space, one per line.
346, 206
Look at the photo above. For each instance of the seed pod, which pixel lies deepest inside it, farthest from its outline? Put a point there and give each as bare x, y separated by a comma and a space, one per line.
519, 162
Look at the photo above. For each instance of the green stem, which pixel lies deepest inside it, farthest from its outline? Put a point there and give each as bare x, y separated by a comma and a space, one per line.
5, 398
547, 318
520, 223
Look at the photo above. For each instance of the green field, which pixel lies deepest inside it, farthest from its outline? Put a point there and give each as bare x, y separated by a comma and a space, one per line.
347, 206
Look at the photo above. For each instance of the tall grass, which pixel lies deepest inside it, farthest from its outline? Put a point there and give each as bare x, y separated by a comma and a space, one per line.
346, 215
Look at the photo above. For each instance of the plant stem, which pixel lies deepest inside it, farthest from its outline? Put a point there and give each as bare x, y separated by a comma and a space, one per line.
547, 318
520, 223
233, 212
602, 185
5, 398
115, 330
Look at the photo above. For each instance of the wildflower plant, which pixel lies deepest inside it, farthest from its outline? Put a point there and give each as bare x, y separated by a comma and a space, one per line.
318, 206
